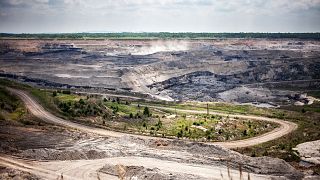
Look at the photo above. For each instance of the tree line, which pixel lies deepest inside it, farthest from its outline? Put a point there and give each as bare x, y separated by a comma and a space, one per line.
161, 35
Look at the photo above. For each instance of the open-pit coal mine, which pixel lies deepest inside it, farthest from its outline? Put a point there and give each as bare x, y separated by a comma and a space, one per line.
258, 71
223, 108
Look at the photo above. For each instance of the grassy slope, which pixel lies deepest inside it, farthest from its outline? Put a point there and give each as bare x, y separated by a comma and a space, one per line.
13, 111
11, 108
43, 97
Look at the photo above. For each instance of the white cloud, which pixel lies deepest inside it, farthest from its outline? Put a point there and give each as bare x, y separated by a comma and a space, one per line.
162, 15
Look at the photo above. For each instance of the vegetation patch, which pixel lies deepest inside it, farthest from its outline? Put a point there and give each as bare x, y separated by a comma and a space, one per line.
141, 117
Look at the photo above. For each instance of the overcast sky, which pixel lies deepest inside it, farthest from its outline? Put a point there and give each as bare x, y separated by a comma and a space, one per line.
49, 16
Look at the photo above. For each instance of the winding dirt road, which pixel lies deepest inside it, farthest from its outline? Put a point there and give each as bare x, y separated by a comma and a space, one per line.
285, 126
89, 169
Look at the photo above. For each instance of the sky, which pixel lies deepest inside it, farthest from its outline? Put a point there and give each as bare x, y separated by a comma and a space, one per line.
68, 16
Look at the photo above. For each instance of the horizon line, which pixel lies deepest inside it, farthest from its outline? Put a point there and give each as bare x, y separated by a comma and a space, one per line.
137, 32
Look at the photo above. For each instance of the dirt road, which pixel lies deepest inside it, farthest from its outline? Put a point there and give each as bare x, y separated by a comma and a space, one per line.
284, 128
89, 169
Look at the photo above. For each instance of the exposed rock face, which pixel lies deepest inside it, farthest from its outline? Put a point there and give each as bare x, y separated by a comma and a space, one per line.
200, 85
309, 152
205, 70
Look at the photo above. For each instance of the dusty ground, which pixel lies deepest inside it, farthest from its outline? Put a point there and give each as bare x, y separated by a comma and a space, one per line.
93, 153
232, 70
90, 155
310, 152
9, 173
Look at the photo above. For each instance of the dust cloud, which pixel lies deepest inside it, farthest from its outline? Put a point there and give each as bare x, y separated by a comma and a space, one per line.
162, 46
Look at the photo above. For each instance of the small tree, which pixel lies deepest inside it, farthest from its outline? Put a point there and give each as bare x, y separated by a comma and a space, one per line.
54, 93
66, 92
115, 109
137, 115
131, 115
81, 101
146, 112
245, 133
180, 134
105, 116
159, 124
144, 125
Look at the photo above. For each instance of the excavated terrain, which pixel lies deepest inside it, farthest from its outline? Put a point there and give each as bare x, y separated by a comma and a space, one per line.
263, 72
52, 148
229, 70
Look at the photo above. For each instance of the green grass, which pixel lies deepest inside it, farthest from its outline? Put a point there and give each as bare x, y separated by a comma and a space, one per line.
11, 108
68, 97
6, 97
308, 130
45, 98
123, 108
315, 94
221, 107
315, 107
308, 122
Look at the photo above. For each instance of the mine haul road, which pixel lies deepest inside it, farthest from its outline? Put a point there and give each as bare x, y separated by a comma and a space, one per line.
89, 169
36, 109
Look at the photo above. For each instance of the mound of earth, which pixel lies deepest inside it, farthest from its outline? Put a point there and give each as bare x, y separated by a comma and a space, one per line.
9, 173
309, 151
140, 172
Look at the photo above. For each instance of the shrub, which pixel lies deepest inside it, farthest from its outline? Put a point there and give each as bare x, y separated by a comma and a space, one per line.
81, 101
196, 123
144, 125
66, 92
245, 133
179, 134
146, 112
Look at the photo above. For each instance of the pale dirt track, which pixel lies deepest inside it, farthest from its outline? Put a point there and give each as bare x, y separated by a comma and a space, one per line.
285, 126
89, 169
